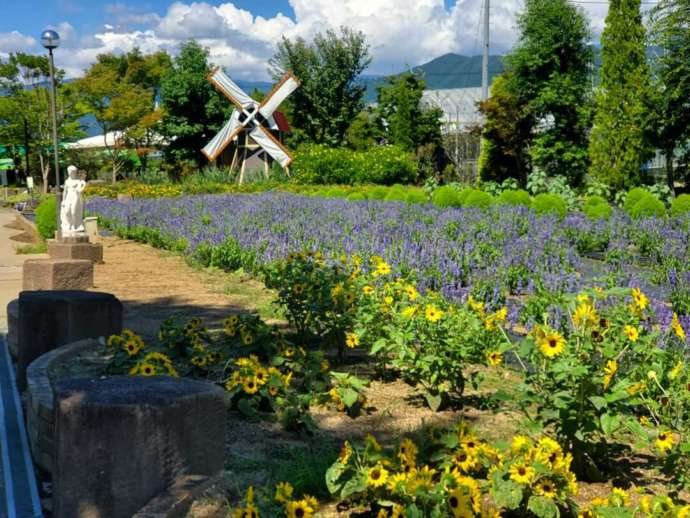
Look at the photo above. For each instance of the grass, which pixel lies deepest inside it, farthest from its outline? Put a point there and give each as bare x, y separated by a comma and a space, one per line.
33, 248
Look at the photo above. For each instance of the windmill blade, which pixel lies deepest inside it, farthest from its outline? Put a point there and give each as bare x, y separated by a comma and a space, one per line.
226, 135
230, 89
271, 145
288, 84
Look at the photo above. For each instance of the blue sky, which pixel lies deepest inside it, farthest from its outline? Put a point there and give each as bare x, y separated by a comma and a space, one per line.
241, 34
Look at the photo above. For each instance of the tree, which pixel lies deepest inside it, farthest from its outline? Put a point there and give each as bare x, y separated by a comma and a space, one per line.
506, 134
118, 95
618, 145
330, 95
547, 86
401, 117
669, 110
194, 110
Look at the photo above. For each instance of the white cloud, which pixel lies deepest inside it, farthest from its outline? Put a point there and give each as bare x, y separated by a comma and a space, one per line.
399, 32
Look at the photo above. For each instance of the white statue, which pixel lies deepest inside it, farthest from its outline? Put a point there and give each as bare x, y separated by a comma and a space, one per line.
72, 208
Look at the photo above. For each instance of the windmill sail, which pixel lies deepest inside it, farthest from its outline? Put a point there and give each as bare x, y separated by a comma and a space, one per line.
223, 137
230, 89
271, 145
282, 90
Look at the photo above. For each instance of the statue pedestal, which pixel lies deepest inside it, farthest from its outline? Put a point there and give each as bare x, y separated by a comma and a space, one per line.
75, 247
57, 274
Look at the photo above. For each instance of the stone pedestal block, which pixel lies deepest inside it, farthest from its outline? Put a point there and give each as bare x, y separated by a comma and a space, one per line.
49, 319
57, 274
12, 326
64, 249
122, 440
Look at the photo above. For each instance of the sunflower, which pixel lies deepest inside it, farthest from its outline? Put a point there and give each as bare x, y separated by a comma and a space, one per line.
147, 369
289, 352
677, 327
640, 299
349, 297
351, 340
247, 339
299, 509
552, 344
632, 333
368, 290
382, 268
345, 453
545, 487
411, 292
520, 442
521, 473
377, 476
250, 386
283, 492
460, 504
132, 347
609, 372
494, 358
409, 311
664, 441
465, 461
618, 497
388, 300
261, 376
407, 450
585, 315
298, 289
230, 330
114, 340
432, 313
675, 371
273, 390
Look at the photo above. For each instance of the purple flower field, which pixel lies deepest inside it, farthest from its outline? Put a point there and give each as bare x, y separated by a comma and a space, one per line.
503, 250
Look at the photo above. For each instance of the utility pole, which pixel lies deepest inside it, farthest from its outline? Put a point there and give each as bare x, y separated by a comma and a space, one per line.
485, 55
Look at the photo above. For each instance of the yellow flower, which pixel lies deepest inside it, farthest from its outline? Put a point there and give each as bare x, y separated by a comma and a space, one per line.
520, 442
583, 298
409, 311
619, 497
382, 268
261, 376
460, 504
465, 461
432, 313
299, 509
283, 492
412, 292
677, 327
368, 290
388, 300
247, 339
545, 487
476, 306
683, 512
351, 340
585, 315
632, 333
609, 372
637, 387
298, 289
407, 450
675, 371
664, 441
147, 369
250, 386
132, 347
521, 473
552, 344
494, 358
345, 453
498, 317
640, 298
377, 476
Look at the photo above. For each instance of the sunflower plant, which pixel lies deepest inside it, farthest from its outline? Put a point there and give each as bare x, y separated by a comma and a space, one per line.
281, 502
579, 373
346, 393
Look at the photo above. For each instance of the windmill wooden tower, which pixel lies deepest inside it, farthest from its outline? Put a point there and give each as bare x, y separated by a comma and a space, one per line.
252, 126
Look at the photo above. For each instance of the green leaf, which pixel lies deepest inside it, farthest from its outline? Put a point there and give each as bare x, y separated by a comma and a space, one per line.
542, 507
610, 423
378, 345
433, 400
348, 396
506, 493
599, 402
356, 484
333, 474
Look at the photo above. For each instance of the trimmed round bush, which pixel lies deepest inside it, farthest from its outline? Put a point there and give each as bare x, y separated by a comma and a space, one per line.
680, 205
396, 195
515, 198
356, 196
633, 196
647, 207
594, 200
597, 211
378, 193
479, 199
547, 203
462, 195
335, 192
446, 196
416, 196
46, 218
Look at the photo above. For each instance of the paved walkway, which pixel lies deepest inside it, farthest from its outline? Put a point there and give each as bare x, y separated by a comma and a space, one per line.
10, 264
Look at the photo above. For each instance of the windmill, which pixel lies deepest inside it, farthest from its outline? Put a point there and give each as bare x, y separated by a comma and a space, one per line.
251, 123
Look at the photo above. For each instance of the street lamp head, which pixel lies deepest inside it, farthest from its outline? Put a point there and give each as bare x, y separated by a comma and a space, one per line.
50, 39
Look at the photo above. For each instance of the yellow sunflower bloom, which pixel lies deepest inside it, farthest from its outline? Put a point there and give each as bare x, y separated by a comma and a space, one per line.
433, 314
552, 344
677, 327
283, 492
609, 372
521, 473
377, 476
640, 299
250, 386
460, 504
351, 340
494, 358
632, 333
546, 488
585, 315
664, 441
368, 290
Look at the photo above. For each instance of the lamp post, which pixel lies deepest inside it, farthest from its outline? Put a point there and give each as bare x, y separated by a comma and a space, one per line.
51, 40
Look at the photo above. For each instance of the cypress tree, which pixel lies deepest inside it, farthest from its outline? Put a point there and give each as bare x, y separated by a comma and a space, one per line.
618, 147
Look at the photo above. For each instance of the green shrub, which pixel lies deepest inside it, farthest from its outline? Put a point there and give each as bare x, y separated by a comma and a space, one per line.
335, 192
680, 205
46, 218
515, 198
380, 165
446, 196
546, 203
378, 193
479, 199
356, 196
396, 195
594, 200
633, 196
462, 195
416, 196
600, 211
647, 207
